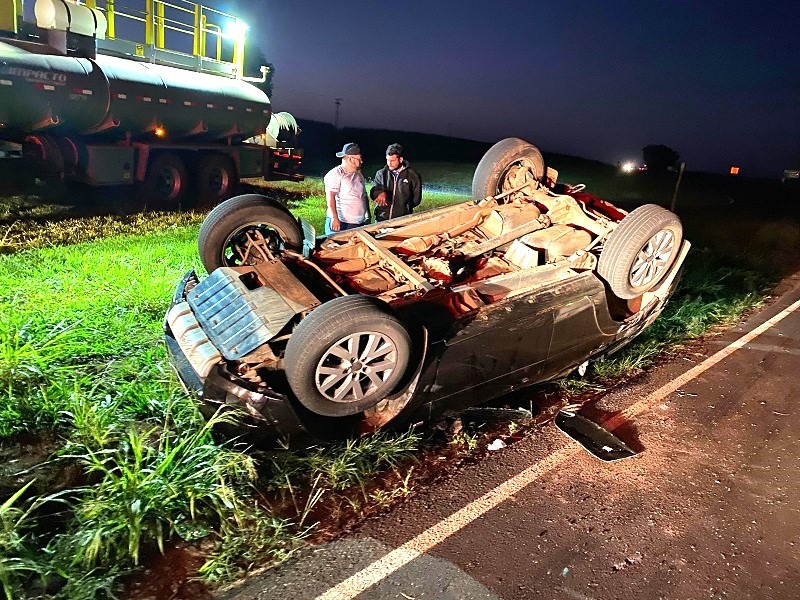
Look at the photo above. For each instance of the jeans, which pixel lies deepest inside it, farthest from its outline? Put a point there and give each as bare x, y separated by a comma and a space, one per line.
329, 231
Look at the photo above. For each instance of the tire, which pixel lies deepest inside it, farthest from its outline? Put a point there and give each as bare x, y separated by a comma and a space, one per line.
216, 179
225, 232
318, 352
640, 251
504, 163
165, 183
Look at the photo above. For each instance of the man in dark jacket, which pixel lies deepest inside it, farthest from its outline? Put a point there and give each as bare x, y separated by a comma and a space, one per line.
398, 188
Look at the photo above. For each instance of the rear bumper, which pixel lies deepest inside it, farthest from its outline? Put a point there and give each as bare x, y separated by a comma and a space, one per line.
284, 165
265, 416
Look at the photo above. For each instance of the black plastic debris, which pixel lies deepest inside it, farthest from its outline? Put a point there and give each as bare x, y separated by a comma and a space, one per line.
597, 440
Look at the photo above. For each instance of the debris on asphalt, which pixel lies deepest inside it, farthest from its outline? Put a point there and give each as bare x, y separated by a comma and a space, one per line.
597, 440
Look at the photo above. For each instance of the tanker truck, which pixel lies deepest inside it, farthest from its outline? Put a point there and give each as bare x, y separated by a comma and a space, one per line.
86, 101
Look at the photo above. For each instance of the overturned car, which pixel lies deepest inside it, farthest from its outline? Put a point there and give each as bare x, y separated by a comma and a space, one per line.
419, 315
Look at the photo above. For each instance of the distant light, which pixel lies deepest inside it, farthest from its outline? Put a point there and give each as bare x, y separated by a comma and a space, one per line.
734, 170
236, 29
160, 132
628, 167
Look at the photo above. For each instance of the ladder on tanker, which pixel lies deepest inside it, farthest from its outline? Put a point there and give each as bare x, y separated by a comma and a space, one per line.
177, 33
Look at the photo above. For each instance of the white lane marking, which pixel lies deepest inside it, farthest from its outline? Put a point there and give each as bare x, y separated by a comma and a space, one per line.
436, 534
433, 536
654, 398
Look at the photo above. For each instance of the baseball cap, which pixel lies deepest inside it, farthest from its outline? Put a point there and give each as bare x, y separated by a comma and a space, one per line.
349, 149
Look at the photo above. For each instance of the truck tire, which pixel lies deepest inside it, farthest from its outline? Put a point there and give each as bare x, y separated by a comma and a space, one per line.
640, 251
216, 179
506, 165
165, 183
238, 226
346, 356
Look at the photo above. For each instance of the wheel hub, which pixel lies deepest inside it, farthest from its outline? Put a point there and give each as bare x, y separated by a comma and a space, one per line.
517, 175
168, 183
250, 245
652, 259
356, 366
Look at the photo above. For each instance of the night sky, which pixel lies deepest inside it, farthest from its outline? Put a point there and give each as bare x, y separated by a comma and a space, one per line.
717, 81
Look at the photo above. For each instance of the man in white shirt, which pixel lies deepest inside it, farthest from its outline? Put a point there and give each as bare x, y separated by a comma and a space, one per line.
346, 192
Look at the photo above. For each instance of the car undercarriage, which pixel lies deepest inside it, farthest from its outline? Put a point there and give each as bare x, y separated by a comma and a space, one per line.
341, 326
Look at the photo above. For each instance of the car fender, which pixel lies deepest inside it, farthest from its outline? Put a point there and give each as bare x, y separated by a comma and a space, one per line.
390, 407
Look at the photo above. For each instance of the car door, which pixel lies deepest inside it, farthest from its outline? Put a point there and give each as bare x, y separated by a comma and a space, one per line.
495, 349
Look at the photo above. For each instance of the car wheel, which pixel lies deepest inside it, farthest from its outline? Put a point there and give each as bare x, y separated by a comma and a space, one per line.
216, 179
246, 230
165, 183
640, 251
346, 356
507, 165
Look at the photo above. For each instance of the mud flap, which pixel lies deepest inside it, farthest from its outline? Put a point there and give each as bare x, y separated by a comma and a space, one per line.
598, 441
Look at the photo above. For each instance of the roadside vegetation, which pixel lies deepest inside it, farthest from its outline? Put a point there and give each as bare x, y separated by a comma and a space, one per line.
105, 461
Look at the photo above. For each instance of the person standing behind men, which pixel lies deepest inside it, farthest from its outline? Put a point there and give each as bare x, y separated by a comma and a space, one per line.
398, 188
346, 192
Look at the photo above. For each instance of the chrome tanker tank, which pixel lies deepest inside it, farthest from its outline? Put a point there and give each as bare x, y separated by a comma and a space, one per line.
109, 97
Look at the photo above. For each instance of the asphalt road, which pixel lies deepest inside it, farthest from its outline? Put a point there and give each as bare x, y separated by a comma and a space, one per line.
709, 509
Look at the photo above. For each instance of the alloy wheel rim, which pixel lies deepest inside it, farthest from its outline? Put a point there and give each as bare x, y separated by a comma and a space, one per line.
358, 365
652, 260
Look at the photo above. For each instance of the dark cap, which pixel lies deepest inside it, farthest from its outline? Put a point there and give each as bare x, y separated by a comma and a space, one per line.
349, 149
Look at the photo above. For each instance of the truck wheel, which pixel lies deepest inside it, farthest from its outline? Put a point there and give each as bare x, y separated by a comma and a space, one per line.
246, 230
640, 251
164, 184
217, 179
346, 356
506, 165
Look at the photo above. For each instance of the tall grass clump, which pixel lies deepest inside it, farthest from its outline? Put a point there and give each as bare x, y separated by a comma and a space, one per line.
342, 465
16, 559
153, 483
81, 356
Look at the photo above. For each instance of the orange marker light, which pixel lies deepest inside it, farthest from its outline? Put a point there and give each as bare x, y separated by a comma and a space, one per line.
734, 170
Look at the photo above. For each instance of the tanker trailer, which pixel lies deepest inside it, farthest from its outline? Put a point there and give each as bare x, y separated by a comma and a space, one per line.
86, 109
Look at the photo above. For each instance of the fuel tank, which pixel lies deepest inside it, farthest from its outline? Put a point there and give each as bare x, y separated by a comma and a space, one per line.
110, 98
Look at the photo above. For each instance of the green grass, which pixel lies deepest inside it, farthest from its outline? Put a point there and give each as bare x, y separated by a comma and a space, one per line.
81, 354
